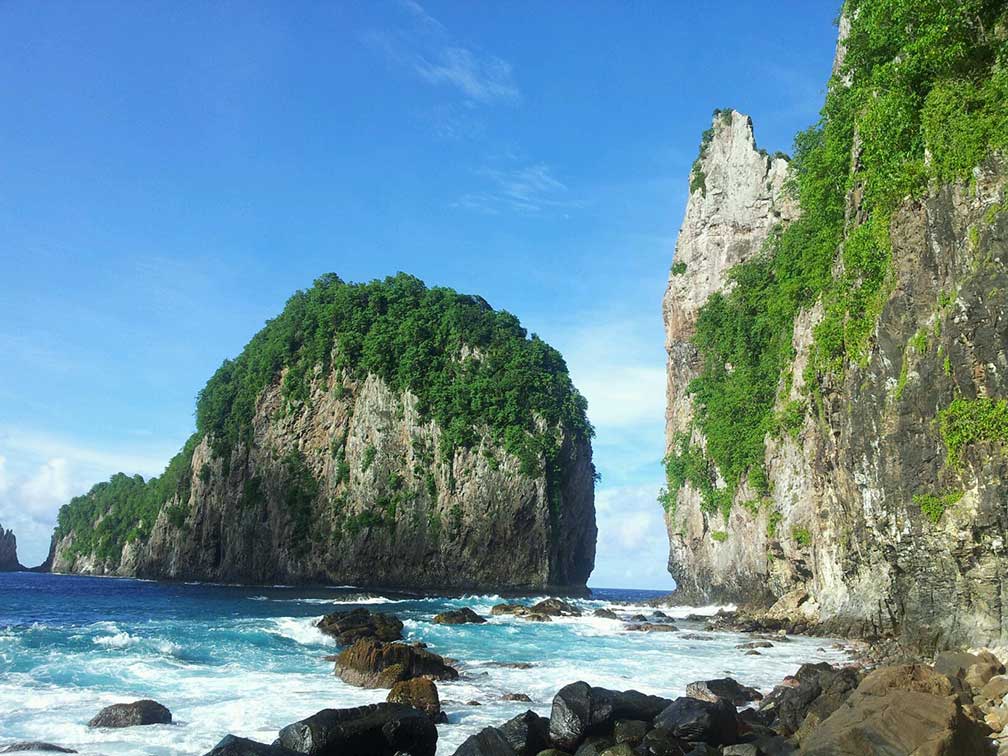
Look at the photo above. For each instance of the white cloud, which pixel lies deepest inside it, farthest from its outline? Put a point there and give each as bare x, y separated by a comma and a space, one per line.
431, 52
483, 79
632, 546
529, 189
39, 473
47, 489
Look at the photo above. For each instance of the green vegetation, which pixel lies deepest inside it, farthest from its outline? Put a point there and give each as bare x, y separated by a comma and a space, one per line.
370, 452
934, 506
678, 268
965, 422
801, 536
698, 179
920, 77
124, 509
773, 521
719, 535
688, 464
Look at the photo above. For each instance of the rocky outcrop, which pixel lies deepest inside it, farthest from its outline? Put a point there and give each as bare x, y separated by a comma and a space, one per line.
370, 663
463, 616
136, 714
380, 729
870, 524
354, 481
8, 552
738, 200
347, 627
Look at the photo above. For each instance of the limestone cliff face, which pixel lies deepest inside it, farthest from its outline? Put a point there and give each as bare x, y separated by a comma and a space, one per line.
8, 552
729, 215
348, 488
853, 479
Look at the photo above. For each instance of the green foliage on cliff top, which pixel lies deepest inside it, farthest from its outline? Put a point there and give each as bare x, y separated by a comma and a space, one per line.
919, 76
124, 508
415, 338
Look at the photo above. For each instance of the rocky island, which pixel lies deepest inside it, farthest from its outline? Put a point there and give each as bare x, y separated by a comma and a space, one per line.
838, 343
382, 434
8, 552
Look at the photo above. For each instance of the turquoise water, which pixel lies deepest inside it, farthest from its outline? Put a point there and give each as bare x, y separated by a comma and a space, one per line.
248, 660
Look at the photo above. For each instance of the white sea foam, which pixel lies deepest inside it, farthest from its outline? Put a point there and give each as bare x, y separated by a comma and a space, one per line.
254, 675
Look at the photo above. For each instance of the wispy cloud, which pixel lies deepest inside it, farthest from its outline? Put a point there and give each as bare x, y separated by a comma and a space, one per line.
425, 47
530, 189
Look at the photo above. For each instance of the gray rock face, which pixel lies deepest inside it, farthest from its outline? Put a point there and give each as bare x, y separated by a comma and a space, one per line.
875, 562
8, 552
348, 487
726, 223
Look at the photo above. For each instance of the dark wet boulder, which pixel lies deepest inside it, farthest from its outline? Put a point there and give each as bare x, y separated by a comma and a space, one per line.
420, 693
580, 710
347, 627
659, 614
522, 697
382, 729
652, 627
527, 734
535, 617
577, 713
638, 618
462, 616
661, 742
605, 614
755, 644
816, 689
369, 663
620, 749
630, 731
554, 607
34, 745
499, 609
489, 741
714, 723
595, 745
138, 713
723, 687
235, 746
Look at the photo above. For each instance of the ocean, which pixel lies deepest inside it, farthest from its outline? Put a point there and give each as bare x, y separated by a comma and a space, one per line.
248, 660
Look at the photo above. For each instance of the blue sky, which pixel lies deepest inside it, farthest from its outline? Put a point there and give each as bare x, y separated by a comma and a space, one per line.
172, 172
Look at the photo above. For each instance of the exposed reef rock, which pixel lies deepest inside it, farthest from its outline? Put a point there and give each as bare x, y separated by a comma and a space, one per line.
398, 436
8, 552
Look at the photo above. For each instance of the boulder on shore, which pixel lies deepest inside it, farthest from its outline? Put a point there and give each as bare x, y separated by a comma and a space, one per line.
580, 710
370, 663
347, 627
713, 722
382, 729
815, 692
605, 614
723, 687
235, 746
145, 712
34, 745
462, 616
903, 709
554, 607
420, 693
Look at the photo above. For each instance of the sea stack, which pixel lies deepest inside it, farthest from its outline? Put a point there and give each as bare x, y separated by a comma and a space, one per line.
8, 552
384, 435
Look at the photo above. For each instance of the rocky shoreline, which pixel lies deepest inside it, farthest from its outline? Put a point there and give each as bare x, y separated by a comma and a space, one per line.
956, 704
